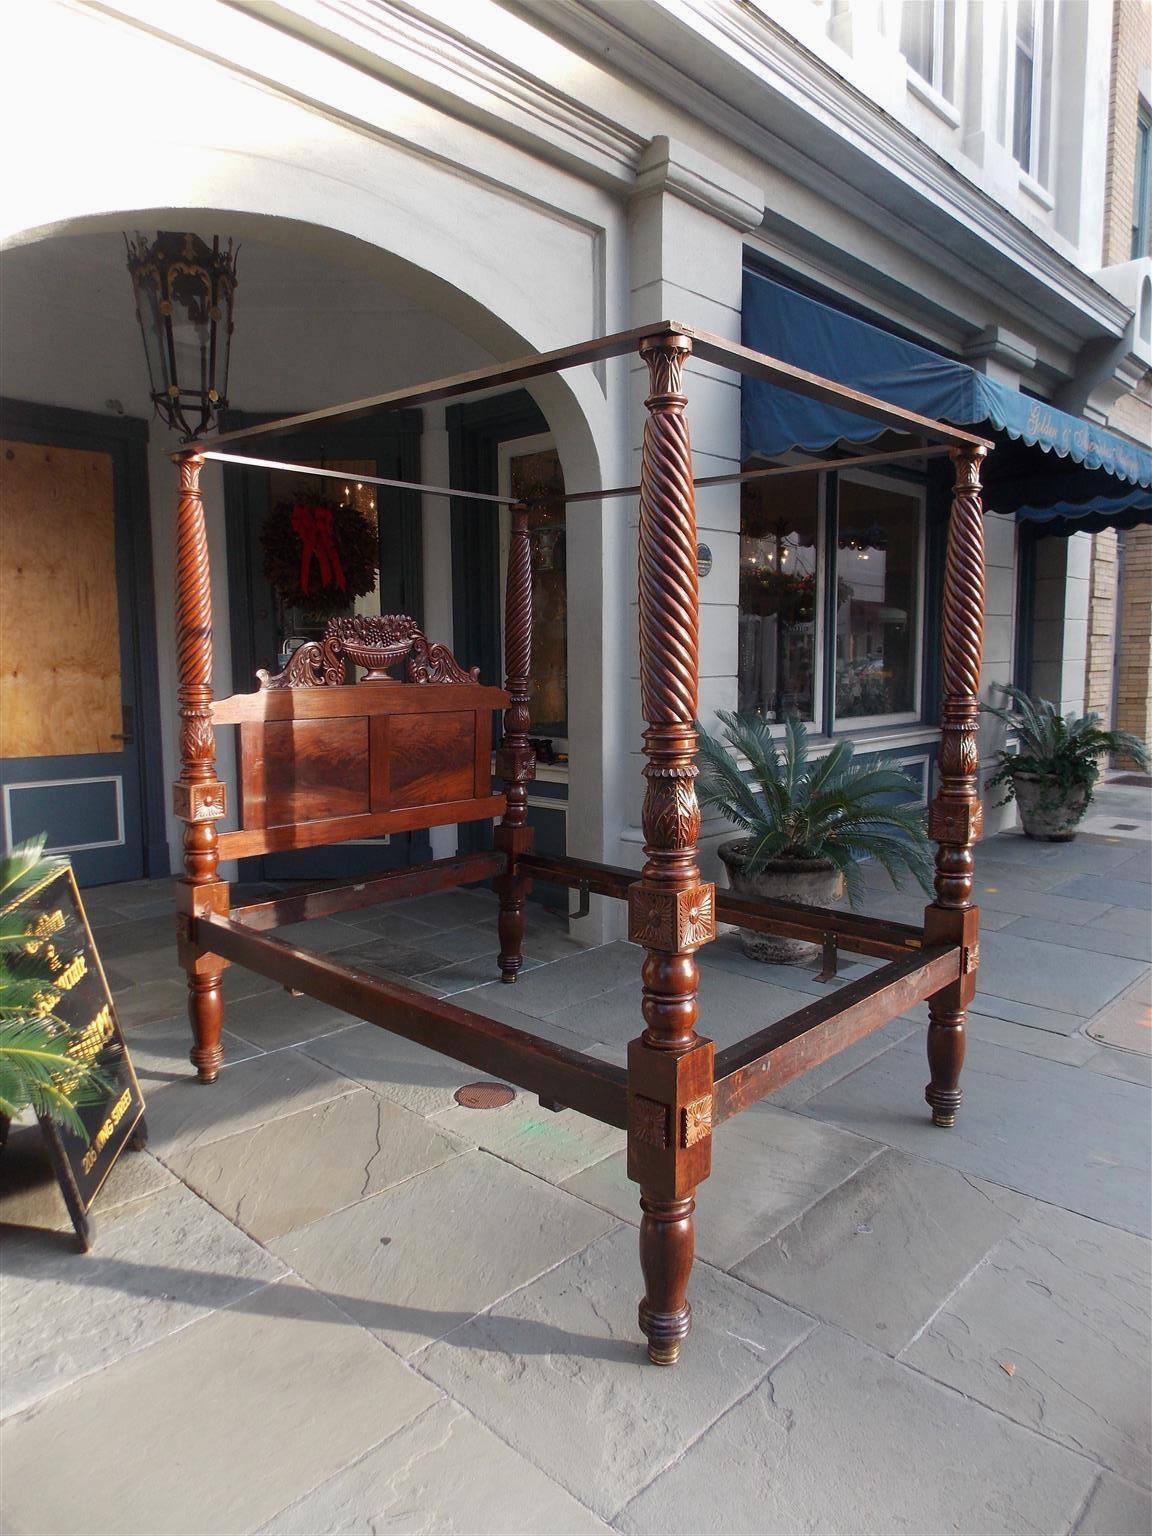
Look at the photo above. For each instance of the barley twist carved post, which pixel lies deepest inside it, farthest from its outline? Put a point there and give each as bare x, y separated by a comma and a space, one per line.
515, 760
198, 795
955, 818
670, 911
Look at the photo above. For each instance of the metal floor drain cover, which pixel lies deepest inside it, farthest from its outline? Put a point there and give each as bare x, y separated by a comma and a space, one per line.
485, 1095
1125, 826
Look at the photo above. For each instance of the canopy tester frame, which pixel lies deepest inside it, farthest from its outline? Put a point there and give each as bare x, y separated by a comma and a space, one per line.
322, 760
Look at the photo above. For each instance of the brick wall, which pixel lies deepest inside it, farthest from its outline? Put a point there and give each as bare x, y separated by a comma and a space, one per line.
1101, 626
1131, 630
1134, 670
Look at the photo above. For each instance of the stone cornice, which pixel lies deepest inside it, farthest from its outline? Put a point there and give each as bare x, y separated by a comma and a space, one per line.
667, 166
776, 92
401, 43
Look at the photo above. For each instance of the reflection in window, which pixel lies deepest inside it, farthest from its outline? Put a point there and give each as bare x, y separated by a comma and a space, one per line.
536, 475
1029, 54
298, 622
925, 41
878, 567
779, 597
1142, 187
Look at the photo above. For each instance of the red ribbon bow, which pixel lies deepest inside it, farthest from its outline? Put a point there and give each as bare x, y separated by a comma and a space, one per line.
313, 526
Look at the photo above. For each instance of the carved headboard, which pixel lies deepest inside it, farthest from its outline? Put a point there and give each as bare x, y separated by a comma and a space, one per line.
322, 761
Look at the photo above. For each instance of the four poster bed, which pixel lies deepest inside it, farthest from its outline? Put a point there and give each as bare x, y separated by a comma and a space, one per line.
322, 761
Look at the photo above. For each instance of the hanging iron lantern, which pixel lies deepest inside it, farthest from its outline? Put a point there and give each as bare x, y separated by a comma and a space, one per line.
184, 296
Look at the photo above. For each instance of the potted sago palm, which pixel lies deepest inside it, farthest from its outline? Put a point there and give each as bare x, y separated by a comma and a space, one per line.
807, 824
1052, 771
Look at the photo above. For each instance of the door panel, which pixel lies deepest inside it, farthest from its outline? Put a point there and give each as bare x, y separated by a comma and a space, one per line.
68, 668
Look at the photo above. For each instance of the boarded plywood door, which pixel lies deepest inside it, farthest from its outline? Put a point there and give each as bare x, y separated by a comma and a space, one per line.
60, 688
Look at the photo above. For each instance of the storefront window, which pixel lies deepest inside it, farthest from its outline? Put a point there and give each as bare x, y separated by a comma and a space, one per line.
780, 598
878, 558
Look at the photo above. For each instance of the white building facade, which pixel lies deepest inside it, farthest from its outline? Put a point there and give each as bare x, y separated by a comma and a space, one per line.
423, 187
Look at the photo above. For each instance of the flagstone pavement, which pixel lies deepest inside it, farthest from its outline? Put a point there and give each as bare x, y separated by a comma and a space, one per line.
329, 1298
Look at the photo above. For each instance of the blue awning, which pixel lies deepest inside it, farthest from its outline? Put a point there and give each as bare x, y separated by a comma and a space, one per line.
810, 335
1090, 516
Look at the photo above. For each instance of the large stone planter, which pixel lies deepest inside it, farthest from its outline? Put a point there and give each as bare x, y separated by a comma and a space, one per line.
1047, 812
815, 882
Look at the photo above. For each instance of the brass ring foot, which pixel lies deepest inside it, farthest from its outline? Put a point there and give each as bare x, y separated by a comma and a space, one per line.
665, 1352
944, 1121
508, 977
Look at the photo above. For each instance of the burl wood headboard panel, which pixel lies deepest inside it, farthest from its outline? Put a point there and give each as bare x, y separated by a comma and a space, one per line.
321, 762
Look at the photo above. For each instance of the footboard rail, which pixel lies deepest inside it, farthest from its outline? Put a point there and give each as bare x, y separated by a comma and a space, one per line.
595, 1088
788, 1048
874, 936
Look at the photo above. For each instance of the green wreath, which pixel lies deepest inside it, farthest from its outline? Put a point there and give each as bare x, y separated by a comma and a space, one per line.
319, 552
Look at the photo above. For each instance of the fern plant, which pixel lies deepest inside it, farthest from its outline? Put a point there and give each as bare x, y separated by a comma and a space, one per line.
1065, 749
35, 1066
832, 809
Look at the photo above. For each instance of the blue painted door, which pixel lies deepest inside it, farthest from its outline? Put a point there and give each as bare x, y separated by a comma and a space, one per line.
70, 742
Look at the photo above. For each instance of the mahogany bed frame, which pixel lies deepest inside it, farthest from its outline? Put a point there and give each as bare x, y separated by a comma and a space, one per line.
320, 763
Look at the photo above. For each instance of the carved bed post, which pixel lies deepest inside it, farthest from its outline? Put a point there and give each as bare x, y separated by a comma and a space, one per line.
955, 818
515, 760
670, 911
198, 795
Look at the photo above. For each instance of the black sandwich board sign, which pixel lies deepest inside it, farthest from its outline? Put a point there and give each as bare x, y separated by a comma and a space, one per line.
76, 992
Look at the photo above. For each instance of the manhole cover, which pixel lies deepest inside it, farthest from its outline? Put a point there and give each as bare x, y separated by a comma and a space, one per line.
1125, 826
485, 1095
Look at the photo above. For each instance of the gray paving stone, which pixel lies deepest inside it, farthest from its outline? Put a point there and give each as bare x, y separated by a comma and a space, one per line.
1116, 1508
1050, 975
450, 909
159, 1052
324, 934
1051, 1020
1115, 892
465, 975
841, 1440
881, 1251
1077, 1139
386, 922
1127, 1065
150, 1001
766, 1169
577, 979
443, 1472
1123, 920
215, 1429
1100, 941
1087, 855
409, 1074
30, 1193
158, 1265
1126, 1021
559, 1371
1074, 1050
417, 1262
1049, 906
186, 1114
610, 1016
122, 943
273, 1019
1065, 1301
288, 1172
910, 909
552, 1145
383, 957
814, 1081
